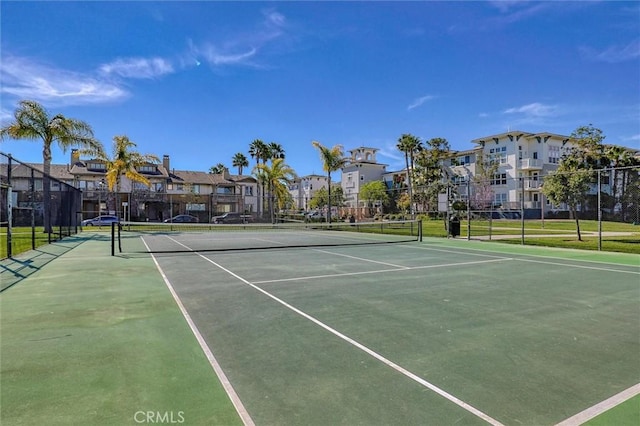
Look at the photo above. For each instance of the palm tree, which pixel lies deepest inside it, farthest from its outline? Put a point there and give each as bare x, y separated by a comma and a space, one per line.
409, 144
218, 169
123, 162
277, 176
275, 150
332, 160
32, 121
240, 161
260, 151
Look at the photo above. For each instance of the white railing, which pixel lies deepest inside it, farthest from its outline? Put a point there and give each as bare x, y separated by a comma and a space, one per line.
530, 163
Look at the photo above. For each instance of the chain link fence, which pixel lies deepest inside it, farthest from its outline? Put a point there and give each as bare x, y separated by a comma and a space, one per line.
35, 208
494, 207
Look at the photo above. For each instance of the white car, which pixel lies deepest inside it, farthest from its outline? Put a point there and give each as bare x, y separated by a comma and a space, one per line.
100, 220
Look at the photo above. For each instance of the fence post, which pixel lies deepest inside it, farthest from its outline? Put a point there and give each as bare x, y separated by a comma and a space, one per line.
599, 211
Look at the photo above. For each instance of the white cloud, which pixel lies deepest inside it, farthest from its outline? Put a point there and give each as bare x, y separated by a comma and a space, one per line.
535, 109
275, 18
517, 10
26, 79
215, 56
138, 67
419, 101
613, 54
243, 47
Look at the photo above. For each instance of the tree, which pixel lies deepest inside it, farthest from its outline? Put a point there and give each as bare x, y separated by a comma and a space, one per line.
429, 172
32, 121
275, 150
124, 161
332, 160
218, 169
374, 191
483, 195
277, 176
404, 202
260, 151
320, 198
240, 161
409, 145
571, 181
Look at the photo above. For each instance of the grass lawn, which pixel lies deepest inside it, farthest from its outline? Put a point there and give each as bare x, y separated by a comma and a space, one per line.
535, 228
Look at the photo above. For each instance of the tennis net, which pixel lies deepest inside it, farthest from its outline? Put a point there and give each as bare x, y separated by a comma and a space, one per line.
131, 237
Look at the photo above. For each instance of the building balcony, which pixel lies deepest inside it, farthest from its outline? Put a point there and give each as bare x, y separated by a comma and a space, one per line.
532, 185
230, 198
532, 204
530, 164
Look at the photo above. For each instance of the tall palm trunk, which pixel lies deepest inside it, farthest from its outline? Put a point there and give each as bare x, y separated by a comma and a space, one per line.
329, 199
409, 183
46, 186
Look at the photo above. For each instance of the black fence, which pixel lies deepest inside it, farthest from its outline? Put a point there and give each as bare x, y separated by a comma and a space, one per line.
35, 208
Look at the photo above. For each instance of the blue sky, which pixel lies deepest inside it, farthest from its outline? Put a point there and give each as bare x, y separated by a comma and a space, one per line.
201, 80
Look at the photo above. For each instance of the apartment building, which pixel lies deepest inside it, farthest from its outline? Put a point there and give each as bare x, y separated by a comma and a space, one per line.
361, 168
304, 188
170, 192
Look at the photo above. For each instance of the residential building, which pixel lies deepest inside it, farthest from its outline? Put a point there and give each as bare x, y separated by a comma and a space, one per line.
170, 192
304, 188
361, 168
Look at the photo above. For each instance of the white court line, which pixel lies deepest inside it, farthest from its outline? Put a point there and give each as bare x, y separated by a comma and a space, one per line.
360, 346
591, 412
578, 251
362, 259
406, 268
597, 268
233, 396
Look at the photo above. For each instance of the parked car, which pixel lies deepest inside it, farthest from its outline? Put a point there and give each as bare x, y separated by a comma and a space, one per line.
100, 220
182, 218
230, 217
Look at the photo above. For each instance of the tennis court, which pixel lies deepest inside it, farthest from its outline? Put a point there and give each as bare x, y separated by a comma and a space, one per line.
405, 332
409, 333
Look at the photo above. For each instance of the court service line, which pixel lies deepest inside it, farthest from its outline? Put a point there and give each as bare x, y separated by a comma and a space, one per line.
226, 384
379, 271
363, 259
363, 348
590, 413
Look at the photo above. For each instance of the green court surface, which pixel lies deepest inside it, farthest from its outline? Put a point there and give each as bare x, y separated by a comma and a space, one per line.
439, 332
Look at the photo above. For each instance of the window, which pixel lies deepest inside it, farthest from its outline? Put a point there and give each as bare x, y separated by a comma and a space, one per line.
500, 198
195, 188
224, 190
248, 190
499, 179
147, 169
535, 155
554, 154
158, 186
94, 165
139, 186
461, 161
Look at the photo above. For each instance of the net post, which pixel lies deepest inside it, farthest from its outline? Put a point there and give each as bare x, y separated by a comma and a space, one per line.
420, 230
113, 239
